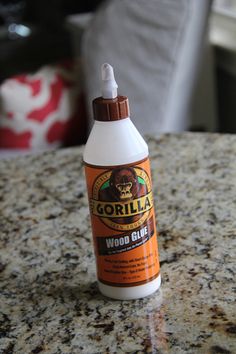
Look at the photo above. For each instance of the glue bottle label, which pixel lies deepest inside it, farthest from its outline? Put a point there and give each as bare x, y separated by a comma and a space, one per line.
123, 223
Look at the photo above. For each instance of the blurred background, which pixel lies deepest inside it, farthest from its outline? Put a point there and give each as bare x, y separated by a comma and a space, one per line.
175, 60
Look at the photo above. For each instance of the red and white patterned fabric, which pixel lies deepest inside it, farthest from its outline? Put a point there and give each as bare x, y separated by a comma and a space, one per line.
41, 110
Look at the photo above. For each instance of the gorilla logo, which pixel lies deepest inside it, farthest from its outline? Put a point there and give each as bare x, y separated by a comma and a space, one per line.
123, 182
123, 185
122, 197
124, 189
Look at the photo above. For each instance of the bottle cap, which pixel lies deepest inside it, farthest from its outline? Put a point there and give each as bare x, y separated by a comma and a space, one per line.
109, 106
109, 110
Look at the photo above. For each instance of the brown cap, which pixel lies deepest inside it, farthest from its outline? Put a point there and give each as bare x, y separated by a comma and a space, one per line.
111, 109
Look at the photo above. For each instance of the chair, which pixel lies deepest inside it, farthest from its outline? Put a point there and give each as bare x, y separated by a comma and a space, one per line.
155, 48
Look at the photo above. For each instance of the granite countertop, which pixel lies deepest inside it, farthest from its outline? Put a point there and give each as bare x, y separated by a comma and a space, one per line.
49, 300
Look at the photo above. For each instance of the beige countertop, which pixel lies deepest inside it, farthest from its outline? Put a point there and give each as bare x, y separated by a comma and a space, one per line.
49, 300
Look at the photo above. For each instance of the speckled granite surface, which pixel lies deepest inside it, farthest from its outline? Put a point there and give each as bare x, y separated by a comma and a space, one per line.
49, 299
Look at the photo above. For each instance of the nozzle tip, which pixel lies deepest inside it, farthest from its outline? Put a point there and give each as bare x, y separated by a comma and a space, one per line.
107, 72
109, 85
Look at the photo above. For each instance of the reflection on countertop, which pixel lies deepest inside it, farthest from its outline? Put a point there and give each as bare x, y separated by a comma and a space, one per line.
49, 298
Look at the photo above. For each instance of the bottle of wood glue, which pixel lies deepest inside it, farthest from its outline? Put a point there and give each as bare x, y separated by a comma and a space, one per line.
120, 198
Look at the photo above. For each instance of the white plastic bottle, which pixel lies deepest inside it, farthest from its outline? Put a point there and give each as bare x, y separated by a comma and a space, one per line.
120, 198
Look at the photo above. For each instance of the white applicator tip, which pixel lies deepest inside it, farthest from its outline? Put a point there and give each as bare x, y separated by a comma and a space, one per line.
109, 85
